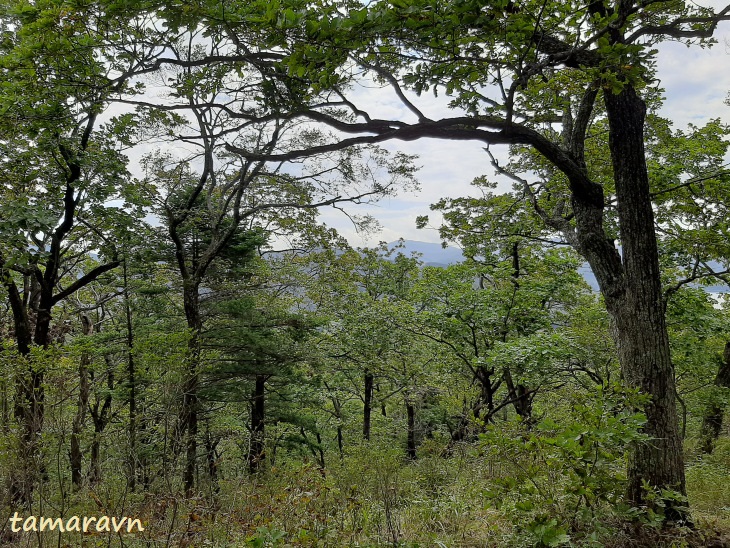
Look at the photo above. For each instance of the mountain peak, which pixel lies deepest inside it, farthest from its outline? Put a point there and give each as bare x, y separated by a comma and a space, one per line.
432, 253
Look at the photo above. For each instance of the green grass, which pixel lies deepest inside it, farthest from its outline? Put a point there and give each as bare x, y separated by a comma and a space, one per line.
375, 498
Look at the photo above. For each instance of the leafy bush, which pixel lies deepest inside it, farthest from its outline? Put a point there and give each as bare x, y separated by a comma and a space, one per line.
564, 477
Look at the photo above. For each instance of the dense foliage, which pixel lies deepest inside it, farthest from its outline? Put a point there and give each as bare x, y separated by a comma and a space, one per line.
185, 342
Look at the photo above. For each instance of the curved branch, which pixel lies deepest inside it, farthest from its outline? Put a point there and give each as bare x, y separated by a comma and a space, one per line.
84, 280
675, 30
489, 130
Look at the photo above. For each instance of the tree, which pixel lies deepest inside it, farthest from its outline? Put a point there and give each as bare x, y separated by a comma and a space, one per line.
249, 88
483, 315
205, 213
256, 339
532, 76
61, 167
359, 291
208, 195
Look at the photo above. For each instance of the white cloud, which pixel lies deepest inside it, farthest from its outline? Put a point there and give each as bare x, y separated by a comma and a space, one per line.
696, 80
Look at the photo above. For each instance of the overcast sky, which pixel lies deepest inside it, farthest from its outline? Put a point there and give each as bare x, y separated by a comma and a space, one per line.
696, 83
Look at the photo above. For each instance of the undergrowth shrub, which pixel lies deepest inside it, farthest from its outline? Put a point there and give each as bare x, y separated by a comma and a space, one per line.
708, 488
564, 479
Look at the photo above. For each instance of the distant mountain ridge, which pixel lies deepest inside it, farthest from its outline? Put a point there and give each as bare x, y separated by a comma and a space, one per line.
434, 254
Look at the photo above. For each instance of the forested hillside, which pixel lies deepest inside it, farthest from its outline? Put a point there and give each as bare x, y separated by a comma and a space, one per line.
189, 348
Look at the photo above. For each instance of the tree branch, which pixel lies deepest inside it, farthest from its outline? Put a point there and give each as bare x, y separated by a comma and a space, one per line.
84, 280
674, 29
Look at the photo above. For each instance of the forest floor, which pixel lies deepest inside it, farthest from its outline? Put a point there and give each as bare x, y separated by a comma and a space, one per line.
374, 498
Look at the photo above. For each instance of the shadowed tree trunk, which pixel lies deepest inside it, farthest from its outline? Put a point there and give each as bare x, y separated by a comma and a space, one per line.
190, 404
131, 383
487, 389
212, 457
338, 417
411, 437
368, 404
258, 416
21, 482
520, 397
636, 307
337, 408
4, 407
75, 453
712, 421
101, 417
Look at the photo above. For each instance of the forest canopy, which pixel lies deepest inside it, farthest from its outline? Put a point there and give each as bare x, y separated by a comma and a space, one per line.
184, 338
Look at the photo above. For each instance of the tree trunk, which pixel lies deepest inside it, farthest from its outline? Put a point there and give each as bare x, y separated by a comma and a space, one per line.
28, 410
712, 421
337, 406
4, 407
483, 375
95, 460
191, 403
520, 397
145, 441
131, 384
4, 392
22, 477
338, 417
340, 441
317, 451
368, 404
75, 453
258, 416
411, 437
212, 457
637, 312
631, 288
101, 416
190, 427
320, 451
464, 431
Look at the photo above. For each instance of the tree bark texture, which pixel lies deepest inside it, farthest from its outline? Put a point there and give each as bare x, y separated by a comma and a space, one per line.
637, 310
